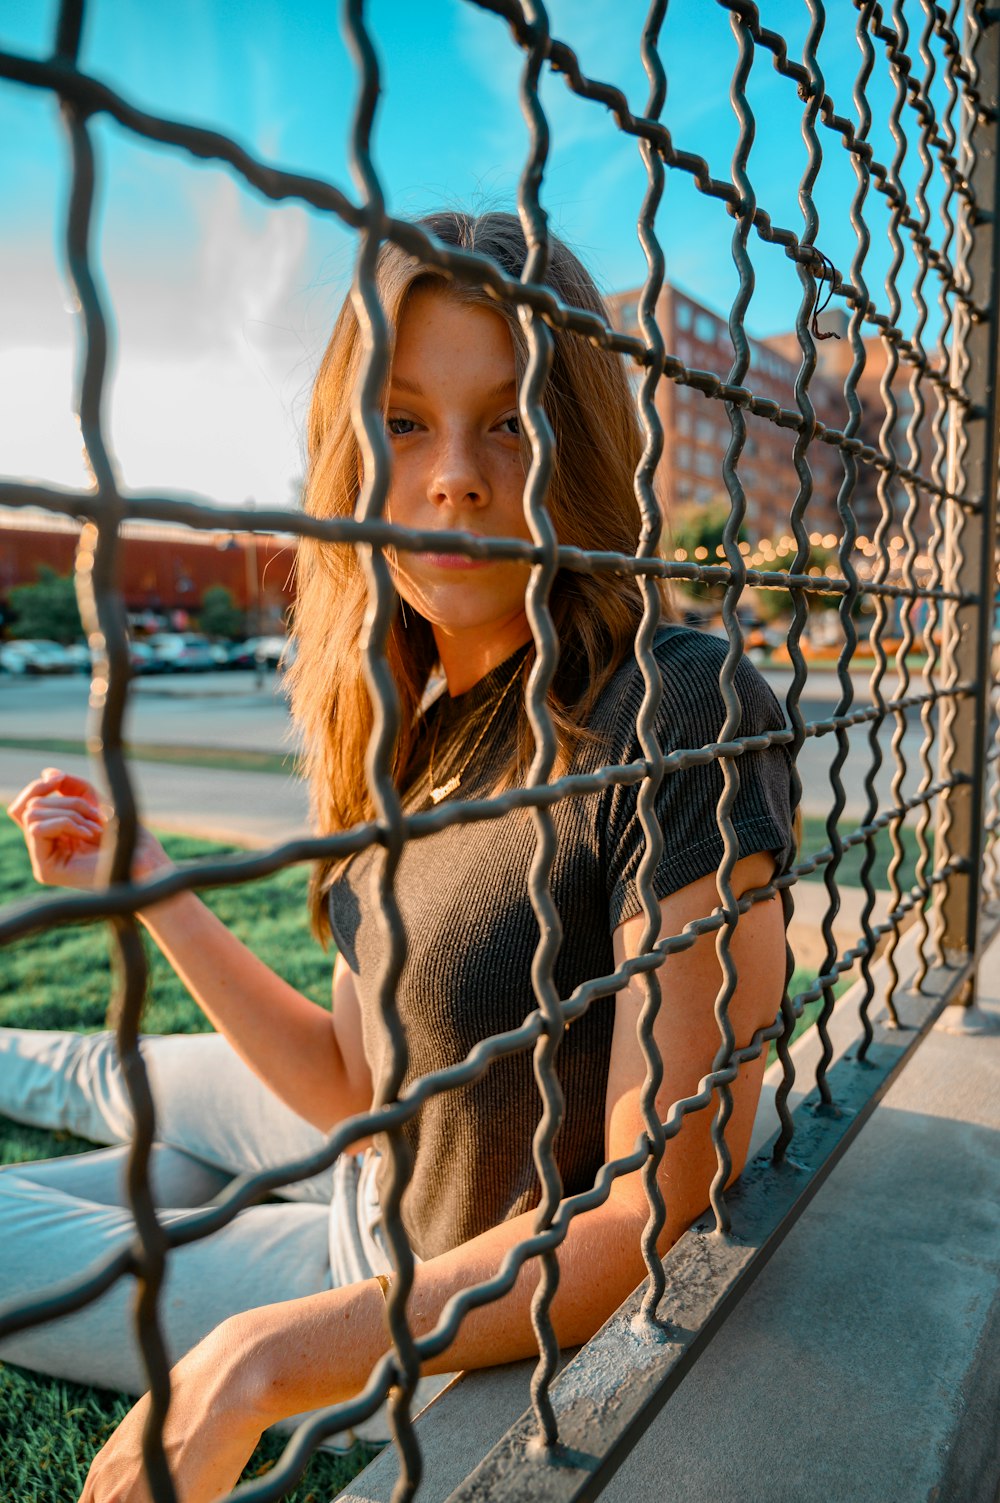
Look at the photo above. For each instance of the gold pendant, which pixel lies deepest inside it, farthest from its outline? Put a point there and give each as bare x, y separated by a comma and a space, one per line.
437, 794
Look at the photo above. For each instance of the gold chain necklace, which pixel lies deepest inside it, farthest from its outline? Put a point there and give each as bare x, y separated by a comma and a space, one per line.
455, 781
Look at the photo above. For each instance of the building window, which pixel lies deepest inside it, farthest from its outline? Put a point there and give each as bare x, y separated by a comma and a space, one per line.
704, 493
684, 456
705, 463
704, 431
682, 315
705, 328
683, 424
628, 314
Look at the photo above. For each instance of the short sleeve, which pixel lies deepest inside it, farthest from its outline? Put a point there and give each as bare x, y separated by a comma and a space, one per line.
691, 715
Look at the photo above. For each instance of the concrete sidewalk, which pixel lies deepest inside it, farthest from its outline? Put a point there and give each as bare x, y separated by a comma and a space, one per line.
211, 709
243, 808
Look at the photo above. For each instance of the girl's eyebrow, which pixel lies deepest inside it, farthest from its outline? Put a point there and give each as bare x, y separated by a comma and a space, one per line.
501, 389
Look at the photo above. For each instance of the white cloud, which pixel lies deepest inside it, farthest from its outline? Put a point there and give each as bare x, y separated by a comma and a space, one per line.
218, 337
251, 260
214, 425
41, 433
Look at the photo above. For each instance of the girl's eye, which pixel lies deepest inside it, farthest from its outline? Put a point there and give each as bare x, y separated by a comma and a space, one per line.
399, 427
512, 424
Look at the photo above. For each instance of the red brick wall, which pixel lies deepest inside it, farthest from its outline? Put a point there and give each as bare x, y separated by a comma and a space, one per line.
158, 573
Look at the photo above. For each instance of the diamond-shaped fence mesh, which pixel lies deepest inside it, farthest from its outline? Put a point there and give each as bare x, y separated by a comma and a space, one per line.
928, 572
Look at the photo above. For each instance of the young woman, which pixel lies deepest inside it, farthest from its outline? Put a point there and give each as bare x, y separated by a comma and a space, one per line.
291, 1322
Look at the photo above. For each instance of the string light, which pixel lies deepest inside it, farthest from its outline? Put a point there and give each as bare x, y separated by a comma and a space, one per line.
782, 551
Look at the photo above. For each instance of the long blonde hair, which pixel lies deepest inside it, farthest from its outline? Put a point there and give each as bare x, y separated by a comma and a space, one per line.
591, 500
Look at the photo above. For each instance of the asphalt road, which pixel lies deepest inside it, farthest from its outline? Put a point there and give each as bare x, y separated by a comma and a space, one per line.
174, 709
228, 710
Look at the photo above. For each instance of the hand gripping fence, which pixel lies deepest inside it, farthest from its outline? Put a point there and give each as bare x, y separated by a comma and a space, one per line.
935, 471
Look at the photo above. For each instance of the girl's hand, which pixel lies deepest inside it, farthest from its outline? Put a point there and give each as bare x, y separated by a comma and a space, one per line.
63, 823
210, 1432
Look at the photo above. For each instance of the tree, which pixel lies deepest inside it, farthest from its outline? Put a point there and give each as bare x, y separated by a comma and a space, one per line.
696, 531
46, 608
777, 604
219, 615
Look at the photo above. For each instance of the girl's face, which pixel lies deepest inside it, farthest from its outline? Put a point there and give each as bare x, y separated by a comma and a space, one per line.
452, 424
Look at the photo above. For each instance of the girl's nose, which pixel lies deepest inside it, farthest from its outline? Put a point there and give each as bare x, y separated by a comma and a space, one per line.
457, 478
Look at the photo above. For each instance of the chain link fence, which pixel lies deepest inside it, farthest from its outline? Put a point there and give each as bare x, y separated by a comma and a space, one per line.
936, 484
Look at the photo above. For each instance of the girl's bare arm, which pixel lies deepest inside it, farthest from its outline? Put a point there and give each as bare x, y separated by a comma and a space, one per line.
312, 1059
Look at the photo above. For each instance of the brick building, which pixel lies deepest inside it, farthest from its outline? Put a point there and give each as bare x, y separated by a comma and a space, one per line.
165, 570
835, 358
697, 431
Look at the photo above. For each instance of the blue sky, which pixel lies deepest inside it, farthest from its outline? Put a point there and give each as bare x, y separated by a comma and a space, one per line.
222, 303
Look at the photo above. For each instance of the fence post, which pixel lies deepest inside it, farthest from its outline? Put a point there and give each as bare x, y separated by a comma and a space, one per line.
970, 530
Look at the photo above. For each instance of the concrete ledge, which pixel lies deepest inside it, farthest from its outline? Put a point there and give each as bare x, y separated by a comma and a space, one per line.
863, 1366
847, 1370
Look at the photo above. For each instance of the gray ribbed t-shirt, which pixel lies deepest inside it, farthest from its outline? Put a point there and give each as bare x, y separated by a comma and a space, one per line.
463, 894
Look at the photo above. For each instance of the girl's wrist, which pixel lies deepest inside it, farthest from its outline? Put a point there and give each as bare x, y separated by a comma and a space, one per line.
150, 860
305, 1354
229, 1360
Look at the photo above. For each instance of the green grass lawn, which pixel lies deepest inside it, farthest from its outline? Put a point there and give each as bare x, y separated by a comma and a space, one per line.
51, 1429
62, 980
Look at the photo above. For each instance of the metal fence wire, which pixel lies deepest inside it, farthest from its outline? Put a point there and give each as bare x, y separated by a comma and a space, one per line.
936, 485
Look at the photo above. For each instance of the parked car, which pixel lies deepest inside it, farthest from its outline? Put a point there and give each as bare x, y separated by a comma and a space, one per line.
266, 652
141, 658
182, 651
241, 654
35, 655
278, 652
80, 657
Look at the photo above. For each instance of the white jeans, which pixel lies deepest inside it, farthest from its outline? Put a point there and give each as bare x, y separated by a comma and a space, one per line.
214, 1120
